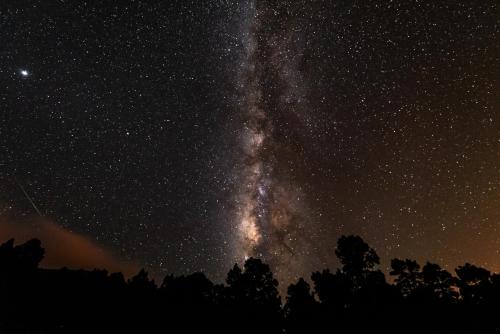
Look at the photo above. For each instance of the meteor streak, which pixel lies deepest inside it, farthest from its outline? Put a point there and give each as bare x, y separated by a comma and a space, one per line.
29, 199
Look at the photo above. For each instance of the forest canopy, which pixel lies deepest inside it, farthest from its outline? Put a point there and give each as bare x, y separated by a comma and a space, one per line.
356, 297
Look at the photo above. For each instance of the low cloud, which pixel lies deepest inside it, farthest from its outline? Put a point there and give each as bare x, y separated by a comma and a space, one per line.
63, 248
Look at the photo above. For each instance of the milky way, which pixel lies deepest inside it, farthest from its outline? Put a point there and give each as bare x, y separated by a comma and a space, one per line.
270, 207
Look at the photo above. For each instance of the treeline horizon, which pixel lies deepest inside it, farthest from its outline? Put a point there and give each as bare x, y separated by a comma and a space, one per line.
357, 297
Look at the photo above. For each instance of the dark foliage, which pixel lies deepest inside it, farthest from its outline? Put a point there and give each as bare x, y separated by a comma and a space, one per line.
356, 298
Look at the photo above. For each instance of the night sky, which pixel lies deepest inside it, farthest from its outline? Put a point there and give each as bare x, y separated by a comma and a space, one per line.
188, 135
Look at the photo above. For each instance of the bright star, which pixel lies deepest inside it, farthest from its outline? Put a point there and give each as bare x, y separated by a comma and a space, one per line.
262, 190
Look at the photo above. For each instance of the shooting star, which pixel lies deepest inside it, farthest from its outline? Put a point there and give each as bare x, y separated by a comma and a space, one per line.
29, 199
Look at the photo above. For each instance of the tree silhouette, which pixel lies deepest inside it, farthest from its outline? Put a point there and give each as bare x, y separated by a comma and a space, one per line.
255, 285
252, 293
438, 284
474, 283
355, 298
192, 289
333, 290
300, 308
357, 290
22, 257
30, 254
359, 262
141, 282
408, 276
355, 255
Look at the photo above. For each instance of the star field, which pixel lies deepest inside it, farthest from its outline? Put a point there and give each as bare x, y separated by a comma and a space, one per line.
185, 135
